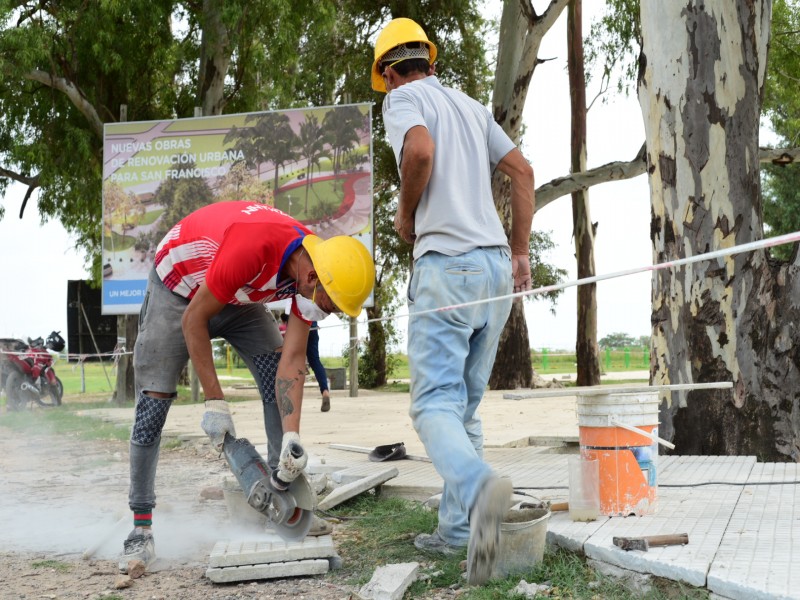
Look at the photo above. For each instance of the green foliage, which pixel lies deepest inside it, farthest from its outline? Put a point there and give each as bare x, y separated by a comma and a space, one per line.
616, 340
161, 59
781, 104
63, 420
781, 193
782, 107
614, 42
544, 274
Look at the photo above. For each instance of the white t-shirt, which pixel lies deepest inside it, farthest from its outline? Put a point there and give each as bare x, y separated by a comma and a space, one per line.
456, 213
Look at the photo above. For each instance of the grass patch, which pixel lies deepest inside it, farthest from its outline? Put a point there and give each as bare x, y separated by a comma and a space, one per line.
64, 420
380, 531
51, 564
400, 387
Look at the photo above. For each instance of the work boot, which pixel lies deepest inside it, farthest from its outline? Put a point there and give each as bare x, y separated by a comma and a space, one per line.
139, 546
432, 542
326, 402
485, 517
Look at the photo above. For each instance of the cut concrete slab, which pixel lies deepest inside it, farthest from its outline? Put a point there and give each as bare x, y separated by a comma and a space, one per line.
389, 582
355, 488
317, 566
273, 550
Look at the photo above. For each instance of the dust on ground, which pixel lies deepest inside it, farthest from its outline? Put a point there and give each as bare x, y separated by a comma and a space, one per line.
63, 497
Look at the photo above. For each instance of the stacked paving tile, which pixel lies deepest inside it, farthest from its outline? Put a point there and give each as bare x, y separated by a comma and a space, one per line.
270, 558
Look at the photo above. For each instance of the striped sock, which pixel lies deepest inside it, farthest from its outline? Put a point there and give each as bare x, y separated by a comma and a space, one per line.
143, 519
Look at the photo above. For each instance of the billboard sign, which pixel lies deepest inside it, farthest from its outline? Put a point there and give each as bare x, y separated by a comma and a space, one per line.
315, 164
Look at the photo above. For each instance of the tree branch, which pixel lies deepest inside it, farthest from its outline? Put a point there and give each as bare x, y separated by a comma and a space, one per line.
613, 171
619, 171
31, 182
73, 93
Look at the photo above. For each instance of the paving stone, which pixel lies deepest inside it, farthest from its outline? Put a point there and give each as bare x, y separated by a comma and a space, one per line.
355, 488
274, 550
703, 512
389, 582
317, 566
757, 556
571, 535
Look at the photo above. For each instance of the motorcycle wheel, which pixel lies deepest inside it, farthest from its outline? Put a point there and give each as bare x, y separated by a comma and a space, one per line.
16, 397
52, 394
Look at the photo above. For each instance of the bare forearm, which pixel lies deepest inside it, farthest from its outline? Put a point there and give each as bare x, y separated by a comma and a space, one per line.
523, 203
289, 384
415, 172
414, 175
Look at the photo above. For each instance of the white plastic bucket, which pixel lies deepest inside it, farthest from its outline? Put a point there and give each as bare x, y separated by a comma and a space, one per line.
523, 534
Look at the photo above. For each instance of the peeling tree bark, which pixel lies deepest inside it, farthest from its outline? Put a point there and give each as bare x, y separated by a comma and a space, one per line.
215, 58
731, 319
521, 33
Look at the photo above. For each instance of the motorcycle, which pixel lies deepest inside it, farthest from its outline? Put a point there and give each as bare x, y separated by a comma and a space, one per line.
27, 375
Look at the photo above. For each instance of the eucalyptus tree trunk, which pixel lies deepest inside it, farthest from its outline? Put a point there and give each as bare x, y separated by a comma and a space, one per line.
582, 228
521, 33
729, 319
215, 58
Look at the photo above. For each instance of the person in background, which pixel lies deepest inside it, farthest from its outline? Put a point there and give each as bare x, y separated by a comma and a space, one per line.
312, 356
214, 272
447, 147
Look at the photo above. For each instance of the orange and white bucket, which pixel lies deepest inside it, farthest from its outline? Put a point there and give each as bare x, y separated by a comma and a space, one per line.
621, 431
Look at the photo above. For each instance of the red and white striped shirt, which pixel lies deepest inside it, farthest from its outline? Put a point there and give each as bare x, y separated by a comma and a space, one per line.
236, 248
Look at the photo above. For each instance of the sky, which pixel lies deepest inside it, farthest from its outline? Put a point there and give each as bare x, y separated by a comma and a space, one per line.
38, 260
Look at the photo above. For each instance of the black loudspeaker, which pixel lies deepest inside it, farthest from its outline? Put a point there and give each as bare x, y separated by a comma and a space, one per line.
86, 325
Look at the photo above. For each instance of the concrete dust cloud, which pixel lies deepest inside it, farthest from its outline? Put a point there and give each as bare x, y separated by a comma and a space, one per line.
63, 496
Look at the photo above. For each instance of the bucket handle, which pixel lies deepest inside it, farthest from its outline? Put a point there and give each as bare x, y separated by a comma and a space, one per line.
642, 432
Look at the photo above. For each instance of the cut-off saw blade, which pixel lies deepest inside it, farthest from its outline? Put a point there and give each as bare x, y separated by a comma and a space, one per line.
297, 526
290, 512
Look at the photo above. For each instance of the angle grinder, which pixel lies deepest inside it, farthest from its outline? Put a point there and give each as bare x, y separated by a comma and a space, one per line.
290, 511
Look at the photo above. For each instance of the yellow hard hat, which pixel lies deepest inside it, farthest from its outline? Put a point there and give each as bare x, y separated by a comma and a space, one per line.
397, 32
344, 268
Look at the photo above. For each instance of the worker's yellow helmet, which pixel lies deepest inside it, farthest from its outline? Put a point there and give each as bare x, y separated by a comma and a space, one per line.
398, 33
345, 269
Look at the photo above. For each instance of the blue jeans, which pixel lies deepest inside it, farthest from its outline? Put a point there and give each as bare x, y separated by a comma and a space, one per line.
312, 355
451, 354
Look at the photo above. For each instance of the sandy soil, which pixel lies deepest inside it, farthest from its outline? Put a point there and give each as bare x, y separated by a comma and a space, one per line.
63, 498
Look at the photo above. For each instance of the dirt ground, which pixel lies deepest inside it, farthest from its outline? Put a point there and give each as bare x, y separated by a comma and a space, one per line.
63, 498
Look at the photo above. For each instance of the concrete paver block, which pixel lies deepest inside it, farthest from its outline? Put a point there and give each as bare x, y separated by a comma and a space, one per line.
355, 488
702, 512
317, 566
234, 554
571, 535
757, 555
389, 582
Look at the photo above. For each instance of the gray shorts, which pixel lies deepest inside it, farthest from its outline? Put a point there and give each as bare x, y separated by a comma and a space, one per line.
160, 353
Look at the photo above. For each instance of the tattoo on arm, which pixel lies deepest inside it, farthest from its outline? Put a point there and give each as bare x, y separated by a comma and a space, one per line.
285, 404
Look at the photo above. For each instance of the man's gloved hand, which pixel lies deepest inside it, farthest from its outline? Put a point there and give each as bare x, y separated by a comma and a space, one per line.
217, 422
293, 457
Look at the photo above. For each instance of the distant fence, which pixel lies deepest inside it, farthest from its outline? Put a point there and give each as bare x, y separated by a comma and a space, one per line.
620, 359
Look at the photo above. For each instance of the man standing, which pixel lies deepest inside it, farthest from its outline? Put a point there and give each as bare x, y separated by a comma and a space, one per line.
214, 271
447, 146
